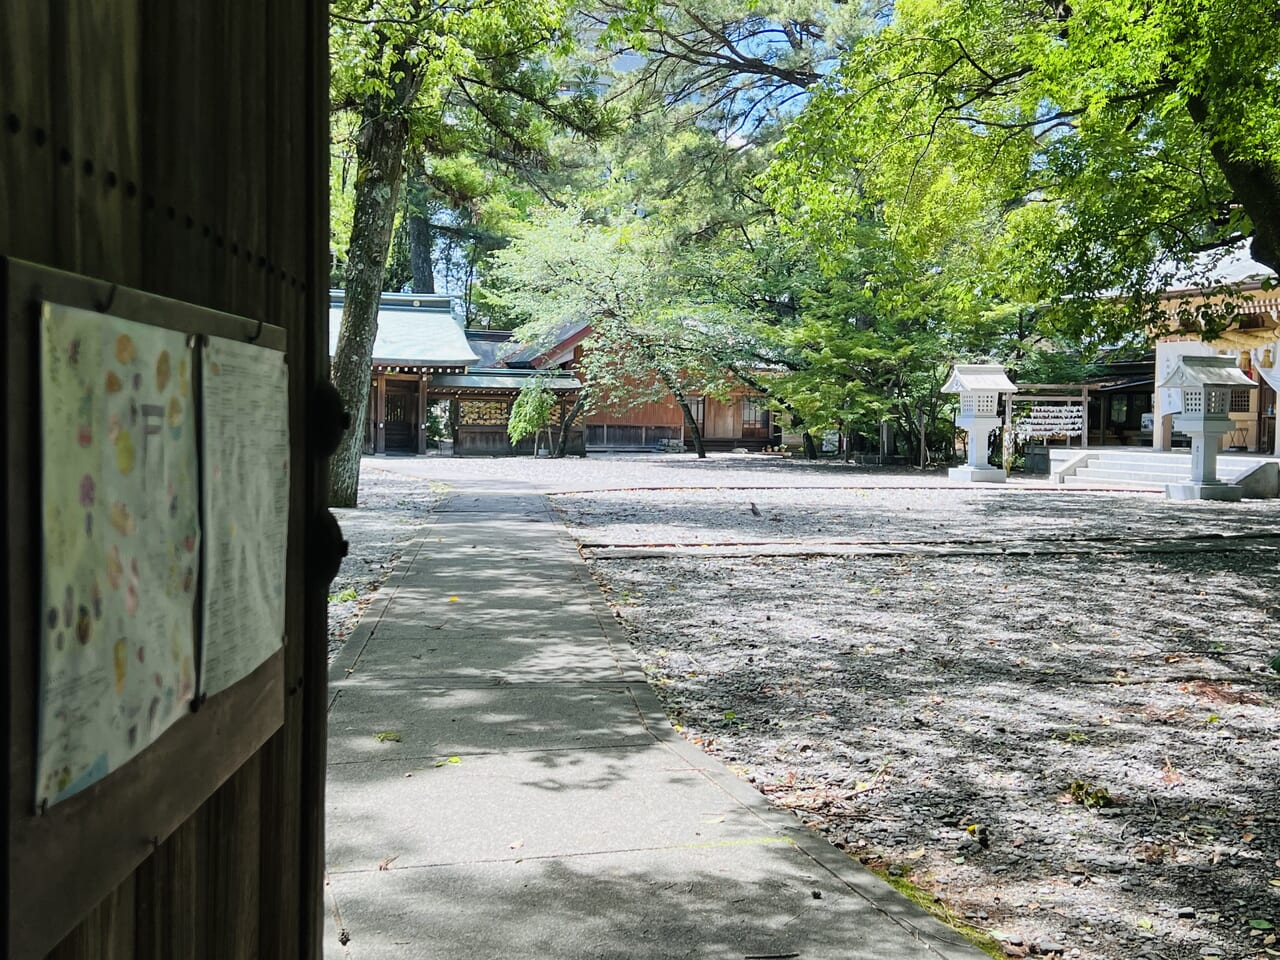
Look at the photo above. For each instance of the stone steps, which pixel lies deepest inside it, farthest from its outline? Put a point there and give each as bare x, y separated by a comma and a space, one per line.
1147, 471
1090, 478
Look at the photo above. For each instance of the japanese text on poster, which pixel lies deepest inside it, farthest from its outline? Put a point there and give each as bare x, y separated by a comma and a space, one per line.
246, 515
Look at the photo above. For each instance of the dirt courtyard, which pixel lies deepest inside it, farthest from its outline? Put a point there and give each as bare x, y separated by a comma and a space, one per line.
1051, 711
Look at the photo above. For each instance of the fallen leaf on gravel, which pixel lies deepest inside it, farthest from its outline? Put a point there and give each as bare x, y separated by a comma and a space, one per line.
453, 599
387, 736
454, 760
1222, 693
515, 844
386, 864
915, 854
1261, 924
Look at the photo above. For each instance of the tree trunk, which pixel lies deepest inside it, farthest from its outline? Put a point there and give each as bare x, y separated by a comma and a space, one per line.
692, 424
421, 239
379, 155
670, 383
563, 443
421, 235
810, 448
1254, 183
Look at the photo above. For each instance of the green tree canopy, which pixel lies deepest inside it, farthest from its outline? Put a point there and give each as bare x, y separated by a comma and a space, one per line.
531, 410
1106, 144
562, 270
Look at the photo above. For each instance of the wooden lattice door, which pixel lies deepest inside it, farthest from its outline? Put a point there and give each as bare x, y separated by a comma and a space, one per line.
402, 416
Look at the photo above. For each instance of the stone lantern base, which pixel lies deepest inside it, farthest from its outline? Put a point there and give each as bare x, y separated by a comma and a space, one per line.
1191, 490
979, 474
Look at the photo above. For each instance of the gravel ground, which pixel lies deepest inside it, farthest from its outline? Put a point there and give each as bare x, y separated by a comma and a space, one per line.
1050, 710
392, 508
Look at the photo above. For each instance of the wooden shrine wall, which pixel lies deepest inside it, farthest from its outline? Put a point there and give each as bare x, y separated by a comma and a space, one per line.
180, 149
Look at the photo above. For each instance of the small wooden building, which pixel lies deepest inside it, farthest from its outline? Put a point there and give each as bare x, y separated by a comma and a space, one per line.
738, 421
418, 338
479, 407
424, 358
425, 363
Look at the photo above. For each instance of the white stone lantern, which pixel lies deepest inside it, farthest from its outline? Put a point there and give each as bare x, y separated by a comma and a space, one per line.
1206, 384
979, 386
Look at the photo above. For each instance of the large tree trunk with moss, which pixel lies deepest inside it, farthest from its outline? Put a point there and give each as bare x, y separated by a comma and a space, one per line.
379, 157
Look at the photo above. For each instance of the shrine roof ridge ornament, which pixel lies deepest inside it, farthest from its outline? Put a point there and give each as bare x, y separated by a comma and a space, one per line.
972, 377
1191, 373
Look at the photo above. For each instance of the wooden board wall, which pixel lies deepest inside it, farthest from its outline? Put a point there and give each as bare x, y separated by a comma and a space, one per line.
179, 148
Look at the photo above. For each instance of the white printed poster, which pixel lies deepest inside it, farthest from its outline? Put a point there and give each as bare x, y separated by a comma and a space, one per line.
246, 516
121, 540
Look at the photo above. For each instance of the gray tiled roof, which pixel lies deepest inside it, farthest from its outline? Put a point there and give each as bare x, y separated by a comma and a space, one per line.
488, 347
426, 335
522, 354
978, 376
1192, 372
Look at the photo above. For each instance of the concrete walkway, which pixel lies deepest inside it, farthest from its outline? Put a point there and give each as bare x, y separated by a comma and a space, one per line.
503, 784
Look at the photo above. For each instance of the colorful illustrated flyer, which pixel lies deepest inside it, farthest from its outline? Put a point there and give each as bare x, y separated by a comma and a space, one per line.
121, 543
246, 515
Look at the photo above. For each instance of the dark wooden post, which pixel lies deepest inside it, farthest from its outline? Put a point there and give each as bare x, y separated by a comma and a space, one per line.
380, 415
423, 380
